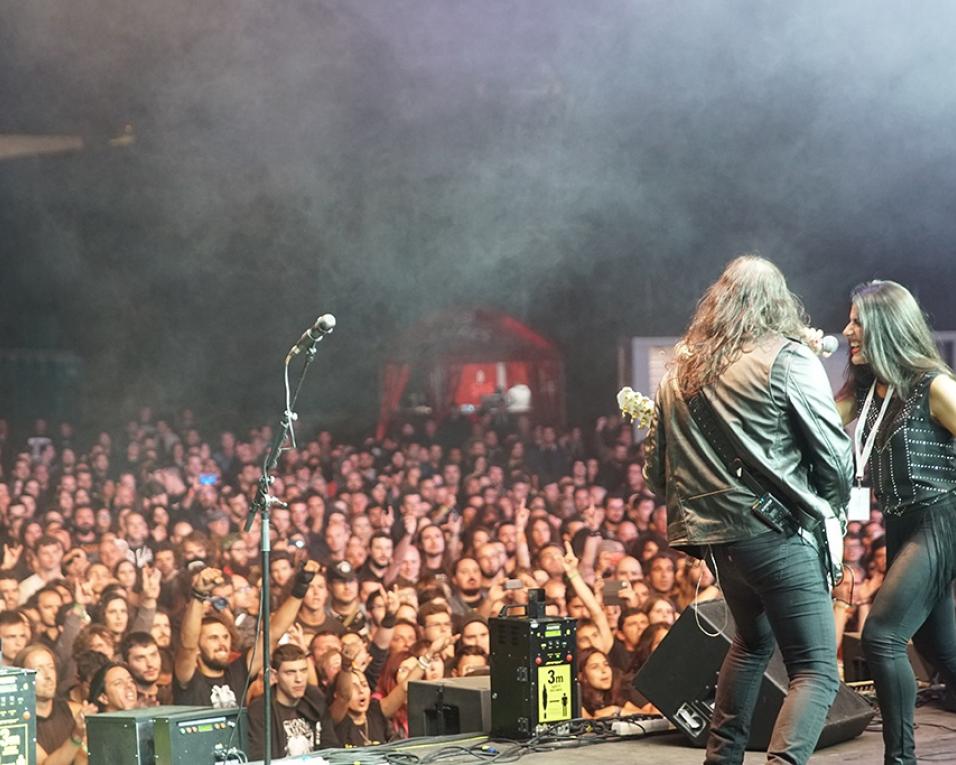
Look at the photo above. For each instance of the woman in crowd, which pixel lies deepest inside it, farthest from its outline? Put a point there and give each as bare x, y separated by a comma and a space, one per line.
904, 398
392, 688
126, 573
647, 643
603, 691
659, 610
392, 691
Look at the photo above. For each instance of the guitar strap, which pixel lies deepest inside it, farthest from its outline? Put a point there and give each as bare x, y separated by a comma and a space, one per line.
718, 434
824, 534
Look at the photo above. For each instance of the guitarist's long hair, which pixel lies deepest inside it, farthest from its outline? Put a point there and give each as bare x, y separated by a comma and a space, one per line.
749, 301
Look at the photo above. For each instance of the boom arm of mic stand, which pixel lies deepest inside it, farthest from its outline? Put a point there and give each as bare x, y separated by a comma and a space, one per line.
260, 506
263, 497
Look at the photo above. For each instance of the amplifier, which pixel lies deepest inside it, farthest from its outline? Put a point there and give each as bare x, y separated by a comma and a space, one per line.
201, 737
168, 735
453, 705
18, 716
533, 683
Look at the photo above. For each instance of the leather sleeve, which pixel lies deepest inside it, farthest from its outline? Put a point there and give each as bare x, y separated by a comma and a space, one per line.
814, 415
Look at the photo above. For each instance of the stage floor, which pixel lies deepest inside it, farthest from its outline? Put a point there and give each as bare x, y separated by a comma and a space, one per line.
935, 742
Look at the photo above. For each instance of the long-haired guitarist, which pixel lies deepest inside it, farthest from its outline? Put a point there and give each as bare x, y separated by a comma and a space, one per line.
771, 394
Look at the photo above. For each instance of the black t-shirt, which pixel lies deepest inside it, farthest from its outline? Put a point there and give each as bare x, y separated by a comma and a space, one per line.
367, 572
52, 731
355, 621
295, 730
442, 570
375, 731
330, 624
619, 657
225, 691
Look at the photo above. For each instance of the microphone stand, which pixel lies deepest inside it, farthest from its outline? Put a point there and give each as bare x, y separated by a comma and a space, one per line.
261, 505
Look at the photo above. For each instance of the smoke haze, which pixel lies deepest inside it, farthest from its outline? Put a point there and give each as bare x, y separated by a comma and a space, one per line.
588, 167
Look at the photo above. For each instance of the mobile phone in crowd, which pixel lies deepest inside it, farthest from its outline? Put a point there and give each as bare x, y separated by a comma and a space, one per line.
208, 479
612, 592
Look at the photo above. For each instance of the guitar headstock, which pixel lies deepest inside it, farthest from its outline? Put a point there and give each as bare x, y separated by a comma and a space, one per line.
637, 406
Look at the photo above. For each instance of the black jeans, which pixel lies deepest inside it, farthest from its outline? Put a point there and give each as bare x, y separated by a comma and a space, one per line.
775, 588
915, 601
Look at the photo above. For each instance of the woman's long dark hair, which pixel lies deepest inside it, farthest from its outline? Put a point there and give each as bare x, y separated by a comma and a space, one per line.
593, 699
898, 344
644, 647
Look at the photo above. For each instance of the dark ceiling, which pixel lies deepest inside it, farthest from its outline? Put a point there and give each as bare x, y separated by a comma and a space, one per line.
586, 166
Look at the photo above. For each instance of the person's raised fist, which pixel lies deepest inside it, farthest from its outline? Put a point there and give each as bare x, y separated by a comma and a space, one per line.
206, 580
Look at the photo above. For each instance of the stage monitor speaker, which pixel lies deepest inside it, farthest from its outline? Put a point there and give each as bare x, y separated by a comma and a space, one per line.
205, 737
856, 670
166, 735
125, 738
453, 705
18, 716
680, 679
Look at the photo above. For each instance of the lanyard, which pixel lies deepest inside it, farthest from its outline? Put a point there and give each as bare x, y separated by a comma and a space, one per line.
863, 454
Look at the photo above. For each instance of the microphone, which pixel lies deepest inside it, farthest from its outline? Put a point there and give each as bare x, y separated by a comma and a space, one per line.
828, 345
323, 326
822, 345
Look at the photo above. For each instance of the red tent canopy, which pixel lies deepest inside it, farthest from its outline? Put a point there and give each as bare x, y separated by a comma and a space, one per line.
458, 356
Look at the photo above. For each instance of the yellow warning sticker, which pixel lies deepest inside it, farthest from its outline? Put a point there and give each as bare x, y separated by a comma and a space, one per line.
554, 693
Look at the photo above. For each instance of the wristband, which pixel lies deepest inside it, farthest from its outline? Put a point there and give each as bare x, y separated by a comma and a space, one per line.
200, 596
303, 578
388, 621
423, 663
574, 574
76, 741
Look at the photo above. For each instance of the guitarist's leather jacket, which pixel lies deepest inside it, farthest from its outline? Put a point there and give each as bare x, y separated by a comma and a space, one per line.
777, 400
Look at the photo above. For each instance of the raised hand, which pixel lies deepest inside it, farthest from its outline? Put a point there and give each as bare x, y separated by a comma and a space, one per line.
206, 580
297, 637
406, 668
628, 594
11, 555
441, 644
362, 659
152, 581
813, 339
598, 588
593, 517
83, 593
79, 720
522, 514
570, 560
453, 524
392, 600
388, 517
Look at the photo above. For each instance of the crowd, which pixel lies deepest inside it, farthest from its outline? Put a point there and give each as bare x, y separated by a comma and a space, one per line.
127, 580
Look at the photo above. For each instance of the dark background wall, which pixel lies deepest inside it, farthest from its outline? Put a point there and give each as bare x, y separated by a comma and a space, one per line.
587, 166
